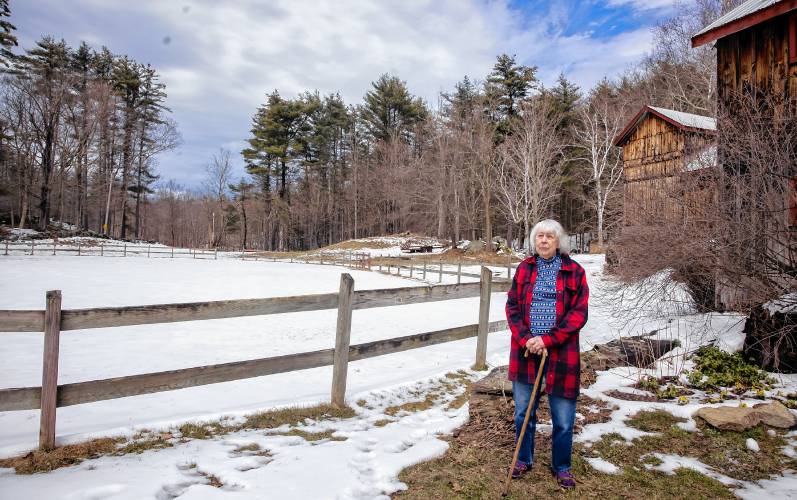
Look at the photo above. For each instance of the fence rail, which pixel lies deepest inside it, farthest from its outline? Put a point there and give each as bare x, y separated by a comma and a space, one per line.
53, 320
105, 250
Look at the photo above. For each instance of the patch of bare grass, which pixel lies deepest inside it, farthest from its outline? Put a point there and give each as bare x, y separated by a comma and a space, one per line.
64, 456
313, 436
294, 416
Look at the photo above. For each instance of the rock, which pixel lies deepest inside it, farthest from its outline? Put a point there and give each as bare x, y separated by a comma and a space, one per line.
491, 397
729, 418
640, 351
475, 246
494, 383
735, 418
775, 415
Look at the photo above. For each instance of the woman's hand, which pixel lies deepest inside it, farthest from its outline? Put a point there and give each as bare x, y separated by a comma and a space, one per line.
535, 345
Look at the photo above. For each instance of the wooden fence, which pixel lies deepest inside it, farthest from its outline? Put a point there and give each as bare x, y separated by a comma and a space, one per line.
105, 250
53, 320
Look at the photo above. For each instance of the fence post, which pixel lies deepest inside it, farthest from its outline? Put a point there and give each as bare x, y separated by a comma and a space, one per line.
78, 249
459, 272
215, 254
124, 252
6, 247
49, 394
32, 247
54, 243
102, 249
148, 251
440, 278
484, 319
412, 268
172, 252
342, 336
424, 270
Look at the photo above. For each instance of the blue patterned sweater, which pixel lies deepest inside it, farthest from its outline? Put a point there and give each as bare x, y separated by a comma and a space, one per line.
543, 303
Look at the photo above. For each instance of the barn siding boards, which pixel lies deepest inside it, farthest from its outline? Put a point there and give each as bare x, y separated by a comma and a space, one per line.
757, 60
655, 151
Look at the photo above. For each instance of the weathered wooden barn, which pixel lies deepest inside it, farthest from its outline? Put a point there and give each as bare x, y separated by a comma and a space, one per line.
756, 45
756, 51
659, 146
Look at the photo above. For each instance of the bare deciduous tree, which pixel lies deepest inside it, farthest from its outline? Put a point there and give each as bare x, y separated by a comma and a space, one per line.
529, 164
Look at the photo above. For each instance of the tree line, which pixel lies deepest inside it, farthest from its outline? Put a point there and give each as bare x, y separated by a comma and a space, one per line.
489, 158
81, 131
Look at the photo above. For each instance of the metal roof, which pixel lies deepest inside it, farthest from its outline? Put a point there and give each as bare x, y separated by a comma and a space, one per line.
679, 119
747, 8
688, 120
742, 17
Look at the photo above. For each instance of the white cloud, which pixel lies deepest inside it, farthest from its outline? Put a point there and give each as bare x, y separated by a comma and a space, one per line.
224, 57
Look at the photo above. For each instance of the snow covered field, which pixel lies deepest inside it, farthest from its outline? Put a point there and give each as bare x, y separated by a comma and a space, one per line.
363, 466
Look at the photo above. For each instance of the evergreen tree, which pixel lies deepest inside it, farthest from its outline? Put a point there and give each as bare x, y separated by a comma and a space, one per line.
7, 37
390, 110
506, 87
45, 68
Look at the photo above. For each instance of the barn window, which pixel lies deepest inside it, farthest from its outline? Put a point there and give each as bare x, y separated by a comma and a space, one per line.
793, 39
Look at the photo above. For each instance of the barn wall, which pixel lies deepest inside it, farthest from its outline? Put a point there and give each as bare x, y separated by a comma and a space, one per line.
652, 158
758, 59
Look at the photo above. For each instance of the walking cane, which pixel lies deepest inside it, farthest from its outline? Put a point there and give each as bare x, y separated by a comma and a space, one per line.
525, 421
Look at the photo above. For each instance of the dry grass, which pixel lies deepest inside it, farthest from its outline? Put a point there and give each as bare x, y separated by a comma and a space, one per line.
64, 456
476, 462
294, 416
413, 406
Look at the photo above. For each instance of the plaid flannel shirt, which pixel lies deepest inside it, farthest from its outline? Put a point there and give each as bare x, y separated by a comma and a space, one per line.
572, 296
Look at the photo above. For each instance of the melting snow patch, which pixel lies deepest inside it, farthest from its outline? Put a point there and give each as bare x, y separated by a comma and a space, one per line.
780, 487
670, 463
602, 465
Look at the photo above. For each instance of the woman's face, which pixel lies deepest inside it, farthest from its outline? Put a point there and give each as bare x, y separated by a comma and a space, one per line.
546, 244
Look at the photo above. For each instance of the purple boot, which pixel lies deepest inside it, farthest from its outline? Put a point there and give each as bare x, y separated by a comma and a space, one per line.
566, 480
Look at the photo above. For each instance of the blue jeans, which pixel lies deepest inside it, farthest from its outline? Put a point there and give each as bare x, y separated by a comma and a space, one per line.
563, 416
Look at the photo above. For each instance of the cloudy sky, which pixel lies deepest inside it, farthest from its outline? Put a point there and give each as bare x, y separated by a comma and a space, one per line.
219, 59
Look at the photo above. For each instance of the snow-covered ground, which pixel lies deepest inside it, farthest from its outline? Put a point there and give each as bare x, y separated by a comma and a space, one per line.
365, 465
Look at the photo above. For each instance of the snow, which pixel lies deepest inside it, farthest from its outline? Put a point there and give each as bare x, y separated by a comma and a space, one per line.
22, 233
602, 465
688, 119
752, 444
780, 487
670, 463
367, 463
786, 304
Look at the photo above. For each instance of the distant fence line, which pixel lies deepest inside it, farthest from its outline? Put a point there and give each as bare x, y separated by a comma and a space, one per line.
104, 250
53, 320
356, 260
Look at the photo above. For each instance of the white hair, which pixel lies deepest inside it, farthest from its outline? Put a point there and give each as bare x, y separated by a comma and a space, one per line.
550, 226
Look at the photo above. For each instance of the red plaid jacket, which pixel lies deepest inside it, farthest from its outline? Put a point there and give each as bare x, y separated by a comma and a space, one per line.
572, 296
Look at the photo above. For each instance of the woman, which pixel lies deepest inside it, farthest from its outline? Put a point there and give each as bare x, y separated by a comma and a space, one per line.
546, 308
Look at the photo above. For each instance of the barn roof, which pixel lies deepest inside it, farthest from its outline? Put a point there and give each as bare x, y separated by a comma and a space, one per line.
742, 17
684, 121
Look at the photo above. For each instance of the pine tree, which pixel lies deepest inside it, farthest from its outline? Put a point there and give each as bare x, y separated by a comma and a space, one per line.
390, 110
45, 68
506, 87
7, 37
